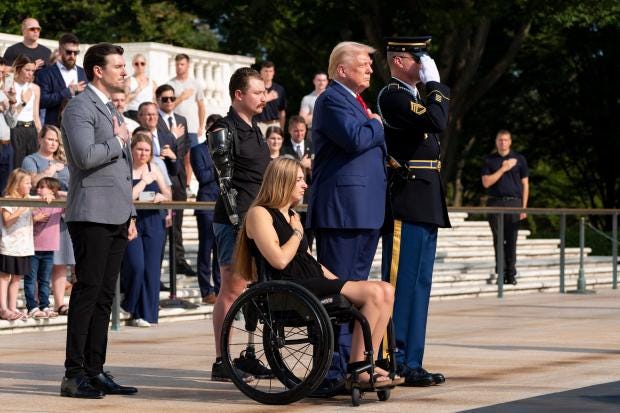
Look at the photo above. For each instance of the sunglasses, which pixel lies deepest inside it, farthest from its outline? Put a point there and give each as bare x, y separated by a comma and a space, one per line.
74, 52
167, 99
139, 63
34, 29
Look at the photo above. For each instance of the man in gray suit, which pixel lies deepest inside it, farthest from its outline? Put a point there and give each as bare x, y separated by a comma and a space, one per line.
100, 216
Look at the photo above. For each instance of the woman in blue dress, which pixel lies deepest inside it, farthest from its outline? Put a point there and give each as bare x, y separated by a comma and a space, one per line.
141, 270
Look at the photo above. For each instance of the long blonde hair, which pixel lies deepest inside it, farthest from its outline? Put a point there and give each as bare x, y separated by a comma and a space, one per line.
275, 192
15, 179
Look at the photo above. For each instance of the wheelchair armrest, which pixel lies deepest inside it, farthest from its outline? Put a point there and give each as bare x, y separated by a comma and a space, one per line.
335, 303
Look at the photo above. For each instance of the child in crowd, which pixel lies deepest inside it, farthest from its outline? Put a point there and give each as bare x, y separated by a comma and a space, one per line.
16, 244
46, 241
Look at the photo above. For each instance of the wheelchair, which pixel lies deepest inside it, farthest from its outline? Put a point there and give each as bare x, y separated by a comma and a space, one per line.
288, 331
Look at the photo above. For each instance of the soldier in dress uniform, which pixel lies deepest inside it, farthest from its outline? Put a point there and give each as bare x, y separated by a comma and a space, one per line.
415, 206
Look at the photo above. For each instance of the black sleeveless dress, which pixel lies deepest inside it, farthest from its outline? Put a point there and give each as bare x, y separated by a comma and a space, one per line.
303, 268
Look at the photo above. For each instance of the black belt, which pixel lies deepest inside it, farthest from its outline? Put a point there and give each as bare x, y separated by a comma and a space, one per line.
25, 124
505, 198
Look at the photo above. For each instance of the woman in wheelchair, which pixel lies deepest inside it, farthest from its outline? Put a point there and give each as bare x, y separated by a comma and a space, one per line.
272, 230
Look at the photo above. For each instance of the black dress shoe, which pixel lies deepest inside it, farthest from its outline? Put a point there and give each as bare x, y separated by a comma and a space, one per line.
438, 378
103, 381
330, 388
163, 287
79, 387
185, 268
418, 378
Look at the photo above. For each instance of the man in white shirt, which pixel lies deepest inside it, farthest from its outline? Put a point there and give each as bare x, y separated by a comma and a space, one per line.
60, 81
307, 102
190, 104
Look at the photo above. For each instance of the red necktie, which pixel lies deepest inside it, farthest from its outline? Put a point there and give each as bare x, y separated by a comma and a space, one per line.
361, 101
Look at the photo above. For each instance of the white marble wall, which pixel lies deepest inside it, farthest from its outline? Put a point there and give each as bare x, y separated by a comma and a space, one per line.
212, 69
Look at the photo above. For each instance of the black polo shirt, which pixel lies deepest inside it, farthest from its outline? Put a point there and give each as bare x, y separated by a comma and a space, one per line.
250, 163
509, 184
273, 108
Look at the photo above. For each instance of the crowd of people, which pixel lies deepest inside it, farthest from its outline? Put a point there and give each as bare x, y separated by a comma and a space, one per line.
103, 140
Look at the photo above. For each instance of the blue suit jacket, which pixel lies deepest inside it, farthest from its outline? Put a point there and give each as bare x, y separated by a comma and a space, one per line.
348, 174
54, 91
204, 170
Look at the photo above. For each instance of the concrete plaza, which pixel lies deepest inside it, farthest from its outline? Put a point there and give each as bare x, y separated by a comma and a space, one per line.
535, 353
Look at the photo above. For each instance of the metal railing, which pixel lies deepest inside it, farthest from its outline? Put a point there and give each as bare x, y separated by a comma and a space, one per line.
501, 211
563, 213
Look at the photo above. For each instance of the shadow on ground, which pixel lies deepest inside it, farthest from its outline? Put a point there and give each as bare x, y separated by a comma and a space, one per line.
153, 384
602, 398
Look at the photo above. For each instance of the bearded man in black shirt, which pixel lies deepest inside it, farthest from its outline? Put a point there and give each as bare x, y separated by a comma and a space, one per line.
250, 157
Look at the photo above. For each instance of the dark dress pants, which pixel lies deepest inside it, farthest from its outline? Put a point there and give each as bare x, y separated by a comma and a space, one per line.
99, 250
24, 142
511, 230
6, 163
348, 253
208, 266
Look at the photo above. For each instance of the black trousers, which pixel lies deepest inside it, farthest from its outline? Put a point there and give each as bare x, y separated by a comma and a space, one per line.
24, 142
511, 230
99, 250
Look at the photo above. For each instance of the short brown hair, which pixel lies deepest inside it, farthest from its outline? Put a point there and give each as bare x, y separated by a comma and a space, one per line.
239, 80
294, 120
96, 55
181, 56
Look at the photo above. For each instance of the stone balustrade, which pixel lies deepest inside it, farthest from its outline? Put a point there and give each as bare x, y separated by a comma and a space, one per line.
212, 69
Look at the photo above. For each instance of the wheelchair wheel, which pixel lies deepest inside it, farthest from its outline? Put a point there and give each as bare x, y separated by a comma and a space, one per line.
288, 331
383, 395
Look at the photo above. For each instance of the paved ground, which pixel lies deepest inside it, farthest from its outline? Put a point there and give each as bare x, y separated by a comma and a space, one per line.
540, 352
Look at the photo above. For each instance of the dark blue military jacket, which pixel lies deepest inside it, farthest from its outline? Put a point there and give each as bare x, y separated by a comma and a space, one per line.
411, 133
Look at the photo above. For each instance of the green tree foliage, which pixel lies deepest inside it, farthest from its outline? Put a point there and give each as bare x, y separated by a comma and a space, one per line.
113, 21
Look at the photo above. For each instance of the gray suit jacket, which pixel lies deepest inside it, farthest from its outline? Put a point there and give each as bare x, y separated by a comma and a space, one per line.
100, 184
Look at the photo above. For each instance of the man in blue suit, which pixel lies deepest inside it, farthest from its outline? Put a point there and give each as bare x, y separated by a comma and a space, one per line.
60, 81
208, 190
347, 203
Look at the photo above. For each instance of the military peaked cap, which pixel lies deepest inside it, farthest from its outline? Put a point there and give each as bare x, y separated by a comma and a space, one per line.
417, 46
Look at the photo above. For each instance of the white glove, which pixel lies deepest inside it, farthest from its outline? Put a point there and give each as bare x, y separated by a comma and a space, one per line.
428, 70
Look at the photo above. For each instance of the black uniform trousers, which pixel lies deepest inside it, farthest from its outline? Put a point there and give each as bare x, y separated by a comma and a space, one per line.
511, 230
99, 250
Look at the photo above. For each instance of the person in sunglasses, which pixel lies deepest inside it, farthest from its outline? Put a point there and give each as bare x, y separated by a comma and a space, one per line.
60, 81
170, 122
30, 47
139, 88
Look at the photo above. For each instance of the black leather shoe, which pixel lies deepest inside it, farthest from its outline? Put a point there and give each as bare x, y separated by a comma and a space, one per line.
163, 287
103, 381
330, 388
79, 387
438, 378
417, 378
510, 280
185, 268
